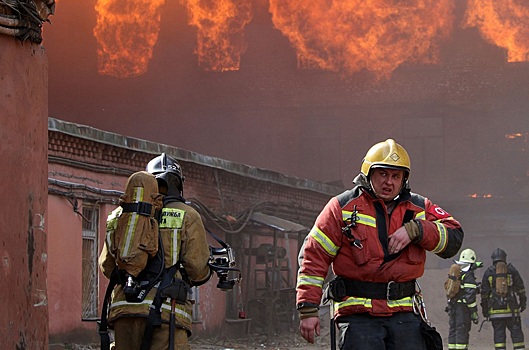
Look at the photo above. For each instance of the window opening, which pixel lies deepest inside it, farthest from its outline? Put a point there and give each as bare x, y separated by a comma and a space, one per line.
89, 265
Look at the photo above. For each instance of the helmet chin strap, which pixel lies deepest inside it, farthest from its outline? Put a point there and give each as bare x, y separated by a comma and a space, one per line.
465, 267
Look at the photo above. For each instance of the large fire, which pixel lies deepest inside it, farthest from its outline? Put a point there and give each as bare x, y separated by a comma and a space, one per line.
220, 25
126, 32
504, 23
377, 35
339, 36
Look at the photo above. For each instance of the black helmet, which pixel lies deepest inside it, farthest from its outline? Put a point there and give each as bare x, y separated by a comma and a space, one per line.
499, 255
167, 169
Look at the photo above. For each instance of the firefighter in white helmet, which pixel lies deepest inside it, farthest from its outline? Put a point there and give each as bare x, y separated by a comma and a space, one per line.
463, 309
375, 237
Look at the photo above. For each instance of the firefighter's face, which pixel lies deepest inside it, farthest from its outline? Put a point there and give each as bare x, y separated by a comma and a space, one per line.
387, 182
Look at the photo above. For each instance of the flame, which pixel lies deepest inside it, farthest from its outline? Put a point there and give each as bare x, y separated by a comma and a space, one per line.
504, 23
513, 136
377, 35
126, 32
338, 36
475, 195
220, 24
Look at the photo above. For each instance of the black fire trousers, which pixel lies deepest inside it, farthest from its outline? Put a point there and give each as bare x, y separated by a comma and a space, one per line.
500, 335
365, 332
460, 323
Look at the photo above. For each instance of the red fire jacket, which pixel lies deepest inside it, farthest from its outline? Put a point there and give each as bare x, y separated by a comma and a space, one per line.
326, 245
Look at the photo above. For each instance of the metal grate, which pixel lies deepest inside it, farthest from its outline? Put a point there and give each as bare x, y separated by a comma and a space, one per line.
90, 285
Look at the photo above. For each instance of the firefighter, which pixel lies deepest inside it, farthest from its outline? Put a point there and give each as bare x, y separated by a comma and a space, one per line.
463, 309
503, 298
375, 237
186, 255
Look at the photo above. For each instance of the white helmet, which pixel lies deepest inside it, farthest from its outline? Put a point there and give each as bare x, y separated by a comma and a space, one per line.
467, 256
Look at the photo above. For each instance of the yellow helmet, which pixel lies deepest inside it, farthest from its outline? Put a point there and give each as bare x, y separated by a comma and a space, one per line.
467, 256
387, 154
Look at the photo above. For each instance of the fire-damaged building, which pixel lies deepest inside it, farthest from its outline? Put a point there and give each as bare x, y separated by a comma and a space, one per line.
242, 92
262, 215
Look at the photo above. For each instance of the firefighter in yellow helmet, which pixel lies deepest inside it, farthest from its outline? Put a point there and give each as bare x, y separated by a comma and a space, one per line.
159, 317
463, 309
374, 237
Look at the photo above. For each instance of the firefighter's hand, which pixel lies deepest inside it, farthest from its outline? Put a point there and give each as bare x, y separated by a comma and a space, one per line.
522, 307
398, 240
474, 317
309, 326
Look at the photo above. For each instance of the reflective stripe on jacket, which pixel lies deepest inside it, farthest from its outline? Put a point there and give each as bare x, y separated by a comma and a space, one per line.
183, 237
497, 306
468, 293
326, 246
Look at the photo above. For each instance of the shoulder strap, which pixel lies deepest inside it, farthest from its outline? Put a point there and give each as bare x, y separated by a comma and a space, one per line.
155, 312
408, 216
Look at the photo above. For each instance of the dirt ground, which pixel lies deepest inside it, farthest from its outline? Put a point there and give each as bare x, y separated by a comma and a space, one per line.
433, 292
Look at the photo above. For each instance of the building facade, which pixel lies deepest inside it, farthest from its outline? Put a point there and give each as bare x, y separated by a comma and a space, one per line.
264, 216
23, 139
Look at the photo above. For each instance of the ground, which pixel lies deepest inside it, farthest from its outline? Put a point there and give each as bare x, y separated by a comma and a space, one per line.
433, 292
432, 286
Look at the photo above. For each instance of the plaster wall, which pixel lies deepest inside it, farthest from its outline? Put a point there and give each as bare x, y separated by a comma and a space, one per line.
81, 169
23, 151
65, 242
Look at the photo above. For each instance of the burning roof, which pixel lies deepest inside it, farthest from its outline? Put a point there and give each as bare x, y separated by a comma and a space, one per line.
340, 36
503, 23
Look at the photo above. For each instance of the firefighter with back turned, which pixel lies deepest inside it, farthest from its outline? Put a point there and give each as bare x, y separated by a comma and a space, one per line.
503, 299
160, 318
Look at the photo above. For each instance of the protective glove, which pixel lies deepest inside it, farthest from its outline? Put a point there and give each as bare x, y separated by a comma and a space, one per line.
474, 317
522, 307
413, 230
307, 310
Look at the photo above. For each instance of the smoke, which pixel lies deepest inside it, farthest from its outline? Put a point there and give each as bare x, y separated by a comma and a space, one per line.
302, 88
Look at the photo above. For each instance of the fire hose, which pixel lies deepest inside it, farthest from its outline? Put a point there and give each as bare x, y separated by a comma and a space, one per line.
481, 325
